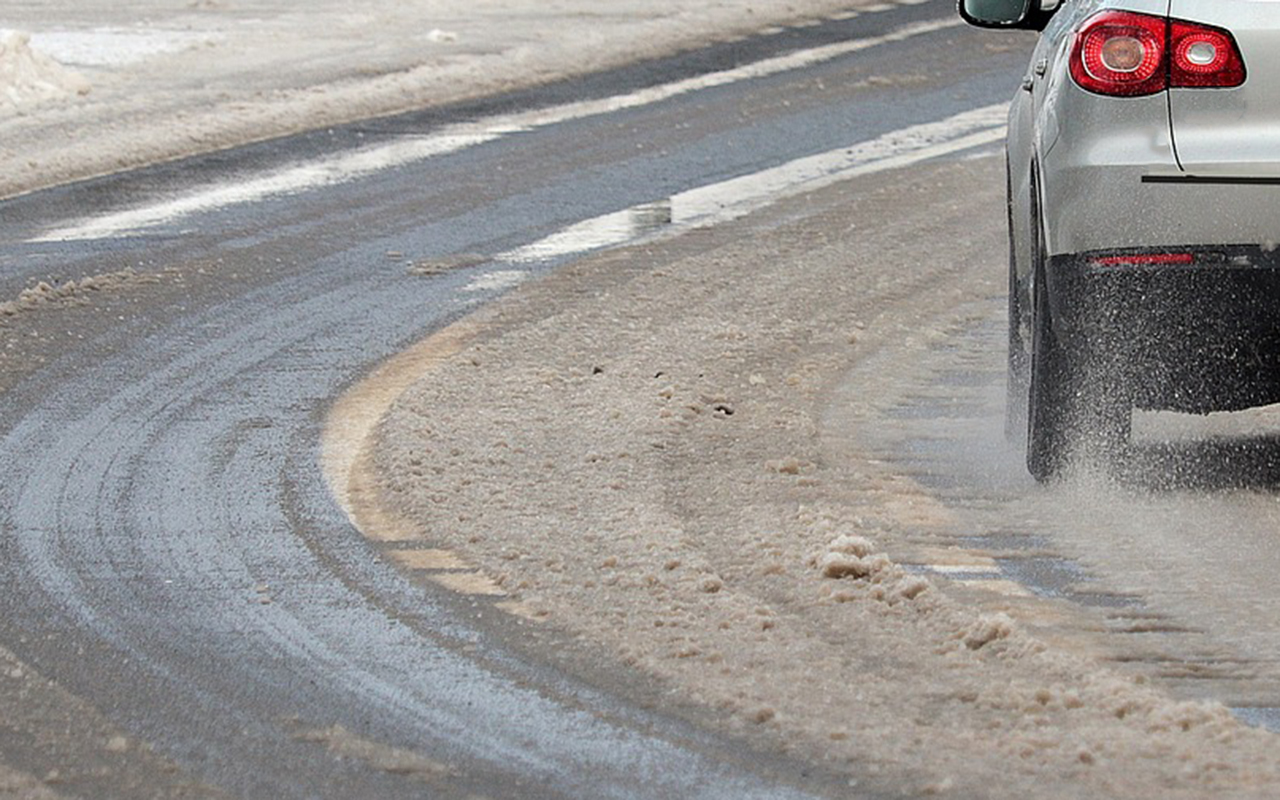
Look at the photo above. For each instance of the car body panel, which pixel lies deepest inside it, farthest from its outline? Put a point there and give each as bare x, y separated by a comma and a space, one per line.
1059, 129
1107, 164
1144, 233
1233, 132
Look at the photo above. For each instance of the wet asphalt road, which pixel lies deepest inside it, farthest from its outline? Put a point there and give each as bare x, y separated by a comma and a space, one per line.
170, 554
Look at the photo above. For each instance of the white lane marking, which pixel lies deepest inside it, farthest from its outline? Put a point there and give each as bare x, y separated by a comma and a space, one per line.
364, 162
292, 180
736, 197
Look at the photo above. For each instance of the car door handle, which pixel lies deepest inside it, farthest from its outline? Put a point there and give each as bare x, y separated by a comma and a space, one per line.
1042, 66
1028, 83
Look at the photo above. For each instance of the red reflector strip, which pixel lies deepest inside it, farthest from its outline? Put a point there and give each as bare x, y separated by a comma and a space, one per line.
1144, 260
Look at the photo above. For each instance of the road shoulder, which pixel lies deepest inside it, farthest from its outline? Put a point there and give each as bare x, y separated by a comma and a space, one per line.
630, 452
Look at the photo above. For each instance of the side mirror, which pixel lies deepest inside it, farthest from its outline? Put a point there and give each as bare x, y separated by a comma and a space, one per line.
1005, 13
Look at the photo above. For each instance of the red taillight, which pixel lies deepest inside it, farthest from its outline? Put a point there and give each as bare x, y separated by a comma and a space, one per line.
1120, 53
1204, 57
1123, 54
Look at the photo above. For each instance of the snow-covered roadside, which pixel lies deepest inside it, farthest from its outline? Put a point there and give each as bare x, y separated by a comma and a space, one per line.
29, 77
96, 86
631, 450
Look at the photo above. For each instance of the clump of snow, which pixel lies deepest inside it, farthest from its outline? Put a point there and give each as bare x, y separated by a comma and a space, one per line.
849, 556
986, 629
44, 294
28, 77
854, 557
19, 785
788, 466
441, 37
397, 761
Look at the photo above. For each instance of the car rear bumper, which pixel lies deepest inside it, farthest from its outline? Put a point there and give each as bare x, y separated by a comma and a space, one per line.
1110, 179
1113, 206
1197, 336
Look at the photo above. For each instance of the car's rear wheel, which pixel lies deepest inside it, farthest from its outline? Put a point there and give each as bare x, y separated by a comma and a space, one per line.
1017, 380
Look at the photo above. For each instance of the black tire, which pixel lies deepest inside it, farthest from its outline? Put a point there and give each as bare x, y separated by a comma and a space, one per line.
1017, 382
1017, 378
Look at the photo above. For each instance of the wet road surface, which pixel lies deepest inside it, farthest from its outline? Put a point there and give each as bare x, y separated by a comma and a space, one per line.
171, 556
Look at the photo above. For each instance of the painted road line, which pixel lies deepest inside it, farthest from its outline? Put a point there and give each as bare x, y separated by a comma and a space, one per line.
361, 163
727, 200
429, 560
476, 584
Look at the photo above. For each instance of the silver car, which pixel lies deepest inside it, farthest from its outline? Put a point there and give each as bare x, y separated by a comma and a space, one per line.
1144, 216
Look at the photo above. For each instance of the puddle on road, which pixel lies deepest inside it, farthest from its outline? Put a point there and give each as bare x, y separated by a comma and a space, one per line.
1054, 576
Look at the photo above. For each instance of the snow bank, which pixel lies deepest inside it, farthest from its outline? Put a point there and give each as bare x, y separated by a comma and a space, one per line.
116, 47
173, 79
28, 77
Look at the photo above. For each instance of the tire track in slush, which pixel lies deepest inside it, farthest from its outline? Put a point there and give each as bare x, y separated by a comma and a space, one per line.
1073, 562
